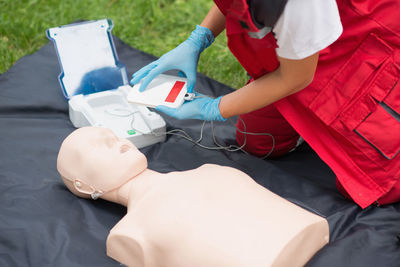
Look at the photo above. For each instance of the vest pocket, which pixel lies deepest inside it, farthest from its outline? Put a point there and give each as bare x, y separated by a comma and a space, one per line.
362, 103
352, 80
371, 123
381, 130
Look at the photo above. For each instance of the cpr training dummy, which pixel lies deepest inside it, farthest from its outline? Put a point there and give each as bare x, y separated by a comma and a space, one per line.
210, 216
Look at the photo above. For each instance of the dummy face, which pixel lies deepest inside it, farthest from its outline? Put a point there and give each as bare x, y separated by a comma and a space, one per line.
95, 157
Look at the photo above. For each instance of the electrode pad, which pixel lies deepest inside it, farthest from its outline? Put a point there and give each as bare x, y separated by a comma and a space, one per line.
164, 90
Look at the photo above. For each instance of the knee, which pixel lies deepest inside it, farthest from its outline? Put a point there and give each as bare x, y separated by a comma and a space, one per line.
265, 132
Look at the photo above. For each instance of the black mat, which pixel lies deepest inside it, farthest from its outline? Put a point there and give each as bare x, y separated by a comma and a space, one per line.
43, 224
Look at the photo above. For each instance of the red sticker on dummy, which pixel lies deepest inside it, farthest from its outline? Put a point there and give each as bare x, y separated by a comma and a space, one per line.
173, 94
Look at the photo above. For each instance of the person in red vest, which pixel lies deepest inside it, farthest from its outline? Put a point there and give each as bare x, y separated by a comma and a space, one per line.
327, 71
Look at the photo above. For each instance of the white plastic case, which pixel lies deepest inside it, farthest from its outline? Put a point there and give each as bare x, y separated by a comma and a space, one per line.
90, 76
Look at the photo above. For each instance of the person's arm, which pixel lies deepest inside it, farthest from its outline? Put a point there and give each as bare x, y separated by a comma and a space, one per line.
215, 21
290, 77
185, 56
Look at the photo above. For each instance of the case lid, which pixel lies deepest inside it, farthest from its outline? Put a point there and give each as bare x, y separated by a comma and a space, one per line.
87, 57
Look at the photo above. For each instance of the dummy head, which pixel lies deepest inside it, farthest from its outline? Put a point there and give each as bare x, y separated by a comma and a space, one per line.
93, 160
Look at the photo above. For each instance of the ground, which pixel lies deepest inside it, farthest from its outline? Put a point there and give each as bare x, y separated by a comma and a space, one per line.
154, 26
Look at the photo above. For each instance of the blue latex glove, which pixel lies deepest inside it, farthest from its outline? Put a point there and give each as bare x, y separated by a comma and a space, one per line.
201, 108
184, 58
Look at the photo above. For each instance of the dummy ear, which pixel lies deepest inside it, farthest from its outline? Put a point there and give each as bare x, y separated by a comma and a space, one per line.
83, 188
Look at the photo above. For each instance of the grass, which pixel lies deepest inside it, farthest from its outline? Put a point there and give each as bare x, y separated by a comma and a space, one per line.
153, 26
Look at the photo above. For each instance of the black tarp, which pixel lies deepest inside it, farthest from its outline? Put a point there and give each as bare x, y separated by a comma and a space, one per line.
43, 224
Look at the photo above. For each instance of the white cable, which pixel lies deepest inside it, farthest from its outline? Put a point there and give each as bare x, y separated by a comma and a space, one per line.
181, 133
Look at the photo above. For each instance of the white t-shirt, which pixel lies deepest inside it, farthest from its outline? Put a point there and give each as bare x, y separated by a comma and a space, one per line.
306, 27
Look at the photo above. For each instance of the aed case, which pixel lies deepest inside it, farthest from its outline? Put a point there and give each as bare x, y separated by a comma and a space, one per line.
96, 84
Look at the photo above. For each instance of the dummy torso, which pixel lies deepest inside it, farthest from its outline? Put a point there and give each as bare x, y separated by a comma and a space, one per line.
212, 216
209, 216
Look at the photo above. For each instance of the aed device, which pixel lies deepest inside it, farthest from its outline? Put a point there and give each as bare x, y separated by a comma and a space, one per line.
165, 90
94, 82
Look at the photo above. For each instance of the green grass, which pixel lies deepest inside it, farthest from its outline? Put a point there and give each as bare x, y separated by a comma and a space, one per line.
154, 26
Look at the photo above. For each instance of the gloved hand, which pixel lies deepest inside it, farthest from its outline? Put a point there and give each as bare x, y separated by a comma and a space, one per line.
184, 58
201, 108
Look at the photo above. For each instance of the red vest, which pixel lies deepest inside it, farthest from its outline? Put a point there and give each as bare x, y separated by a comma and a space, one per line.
348, 113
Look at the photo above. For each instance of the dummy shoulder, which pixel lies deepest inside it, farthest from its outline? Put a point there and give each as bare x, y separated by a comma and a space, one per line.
214, 168
125, 244
210, 166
